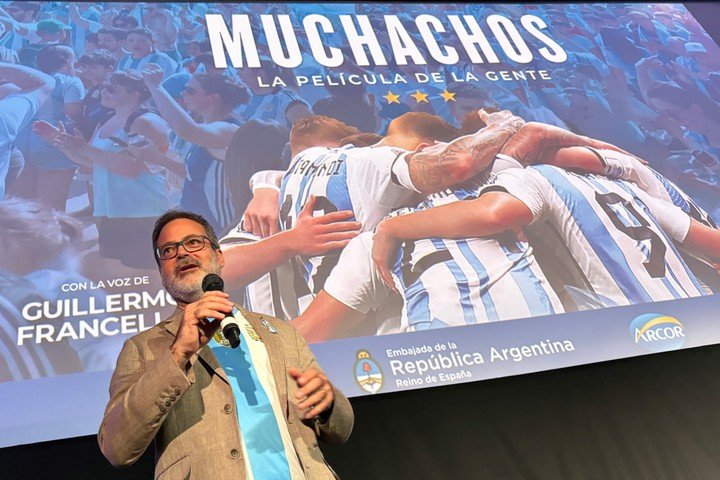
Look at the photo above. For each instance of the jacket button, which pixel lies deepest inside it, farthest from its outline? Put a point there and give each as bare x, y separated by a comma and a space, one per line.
167, 402
163, 408
234, 453
227, 408
176, 391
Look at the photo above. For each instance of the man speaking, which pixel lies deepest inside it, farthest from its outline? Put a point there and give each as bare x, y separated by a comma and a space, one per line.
251, 412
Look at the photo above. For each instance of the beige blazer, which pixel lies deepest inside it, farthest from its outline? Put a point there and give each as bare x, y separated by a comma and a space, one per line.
191, 418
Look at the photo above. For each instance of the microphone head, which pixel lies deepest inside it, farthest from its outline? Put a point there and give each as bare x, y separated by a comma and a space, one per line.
212, 283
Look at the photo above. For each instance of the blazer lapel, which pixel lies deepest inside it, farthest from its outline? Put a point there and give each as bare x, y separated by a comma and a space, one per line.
173, 322
204, 354
208, 358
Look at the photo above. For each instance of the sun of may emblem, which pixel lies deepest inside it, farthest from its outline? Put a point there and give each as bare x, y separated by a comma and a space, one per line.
251, 331
368, 374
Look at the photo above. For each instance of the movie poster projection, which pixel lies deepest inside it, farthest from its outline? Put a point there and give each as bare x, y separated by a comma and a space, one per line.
443, 193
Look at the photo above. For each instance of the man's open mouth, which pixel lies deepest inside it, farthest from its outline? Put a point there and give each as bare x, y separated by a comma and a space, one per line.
187, 267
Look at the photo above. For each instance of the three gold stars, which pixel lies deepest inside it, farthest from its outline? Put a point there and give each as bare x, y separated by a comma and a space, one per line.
420, 97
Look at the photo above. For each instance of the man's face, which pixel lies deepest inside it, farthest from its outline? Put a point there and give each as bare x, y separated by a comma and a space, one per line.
108, 42
90, 46
92, 73
49, 37
182, 276
139, 45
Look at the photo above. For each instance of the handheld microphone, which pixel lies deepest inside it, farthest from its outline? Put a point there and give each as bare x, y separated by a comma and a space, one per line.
229, 326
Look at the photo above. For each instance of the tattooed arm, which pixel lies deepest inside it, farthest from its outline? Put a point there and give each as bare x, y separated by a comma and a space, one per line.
538, 143
444, 164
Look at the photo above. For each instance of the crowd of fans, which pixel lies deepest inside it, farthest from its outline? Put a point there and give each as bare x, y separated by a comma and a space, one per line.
139, 120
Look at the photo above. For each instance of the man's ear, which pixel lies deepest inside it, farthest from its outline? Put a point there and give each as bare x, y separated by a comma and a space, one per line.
221, 258
422, 146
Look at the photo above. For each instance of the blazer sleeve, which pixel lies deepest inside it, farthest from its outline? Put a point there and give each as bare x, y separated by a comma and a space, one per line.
337, 427
143, 389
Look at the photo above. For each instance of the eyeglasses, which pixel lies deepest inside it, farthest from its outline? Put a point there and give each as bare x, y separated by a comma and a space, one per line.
193, 243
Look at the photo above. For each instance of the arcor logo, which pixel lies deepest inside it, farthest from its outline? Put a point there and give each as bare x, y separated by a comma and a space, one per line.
657, 333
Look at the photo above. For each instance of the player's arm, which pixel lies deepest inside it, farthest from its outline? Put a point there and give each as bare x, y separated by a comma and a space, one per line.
704, 240
261, 216
439, 166
266, 179
311, 236
610, 163
530, 144
573, 158
326, 318
696, 237
492, 213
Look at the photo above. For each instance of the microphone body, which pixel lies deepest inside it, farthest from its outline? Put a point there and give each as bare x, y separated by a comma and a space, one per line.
228, 325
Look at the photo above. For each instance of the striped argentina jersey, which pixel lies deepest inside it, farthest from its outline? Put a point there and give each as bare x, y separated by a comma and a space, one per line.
447, 282
625, 167
702, 266
616, 236
346, 178
272, 293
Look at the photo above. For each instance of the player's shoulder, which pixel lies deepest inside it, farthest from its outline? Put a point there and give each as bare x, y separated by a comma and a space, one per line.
381, 157
554, 175
372, 150
545, 168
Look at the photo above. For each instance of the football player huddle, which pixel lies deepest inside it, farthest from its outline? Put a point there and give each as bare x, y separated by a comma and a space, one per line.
432, 226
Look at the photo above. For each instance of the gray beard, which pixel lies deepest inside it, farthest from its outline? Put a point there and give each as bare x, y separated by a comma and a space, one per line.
189, 290
185, 293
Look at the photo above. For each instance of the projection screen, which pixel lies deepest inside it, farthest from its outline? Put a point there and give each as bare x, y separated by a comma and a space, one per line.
535, 186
